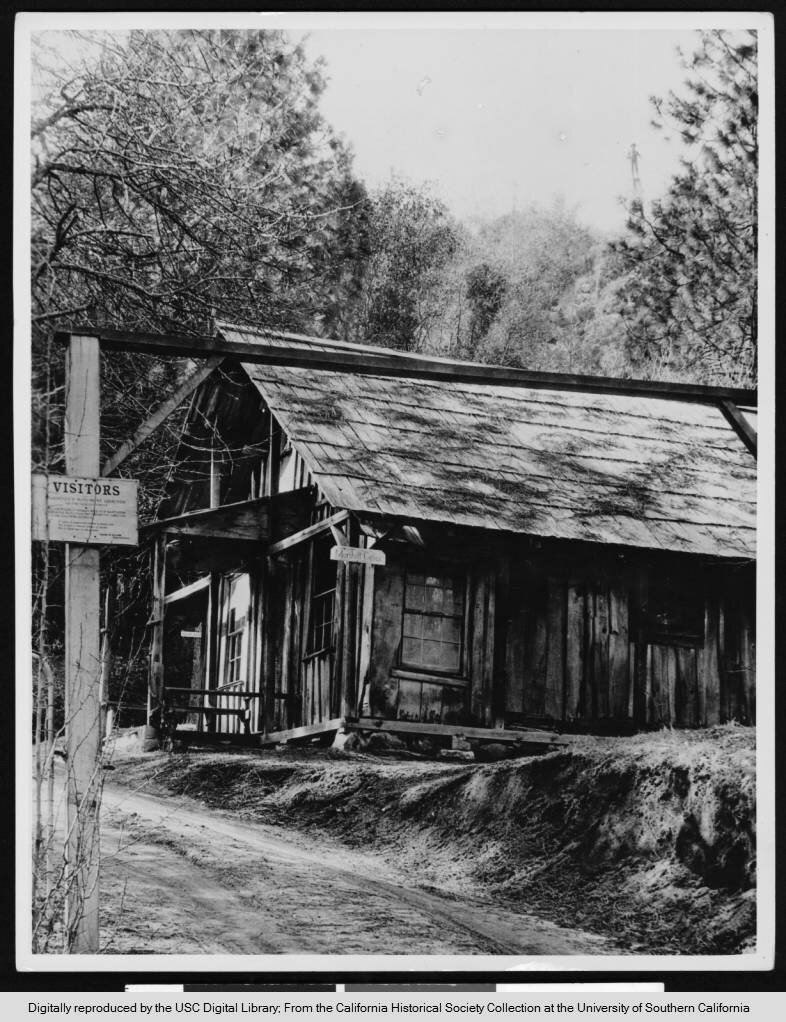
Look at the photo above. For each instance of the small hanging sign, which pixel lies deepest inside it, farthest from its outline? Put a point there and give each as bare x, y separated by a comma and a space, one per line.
356, 555
92, 512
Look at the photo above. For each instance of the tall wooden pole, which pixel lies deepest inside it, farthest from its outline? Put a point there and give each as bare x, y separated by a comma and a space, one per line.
82, 659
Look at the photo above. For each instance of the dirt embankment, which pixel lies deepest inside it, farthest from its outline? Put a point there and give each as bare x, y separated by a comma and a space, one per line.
648, 839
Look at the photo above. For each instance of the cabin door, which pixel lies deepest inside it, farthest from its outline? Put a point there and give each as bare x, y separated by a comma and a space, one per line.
184, 661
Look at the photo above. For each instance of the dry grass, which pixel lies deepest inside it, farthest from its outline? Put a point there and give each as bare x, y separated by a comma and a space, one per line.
650, 839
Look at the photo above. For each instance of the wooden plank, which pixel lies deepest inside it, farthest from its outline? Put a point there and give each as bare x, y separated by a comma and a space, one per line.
211, 639
589, 688
454, 704
499, 651
306, 701
216, 472
398, 365
710, 679
490, 627
476, 642
669, 684
274, 455
727, 696
337, 663
224, 690
246, 520
514, 650
82, 661
164, 410
106, 662
366, 623
348, 678
748, 667
600, 634
304, 731
408, 705
574, 652
386, 638
307, 533
618, 652
655, 685
742, 426
286, 642
185, 591
270, 595
431, 703
640, 680
685, 703
649, 693
555, 649
535, 645
547, 738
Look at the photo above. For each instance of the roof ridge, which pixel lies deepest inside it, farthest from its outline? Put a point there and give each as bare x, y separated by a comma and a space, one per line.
371, 349
524, 377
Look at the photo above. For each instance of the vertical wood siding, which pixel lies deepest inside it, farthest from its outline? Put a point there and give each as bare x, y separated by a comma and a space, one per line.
547, 642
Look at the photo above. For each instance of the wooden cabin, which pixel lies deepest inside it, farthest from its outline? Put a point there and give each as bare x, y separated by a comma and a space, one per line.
407, 543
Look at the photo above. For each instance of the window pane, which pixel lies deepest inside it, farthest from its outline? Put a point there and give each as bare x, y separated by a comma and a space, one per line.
432, 628
440, 656
413, 625
411, 651
435, 599
414, 597
451, 629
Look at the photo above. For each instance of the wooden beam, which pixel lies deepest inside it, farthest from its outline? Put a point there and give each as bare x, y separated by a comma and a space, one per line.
307, 533
82, 660
410, 366
246, 520
186, 591
164, 410
276, 737
740, 425
486, 734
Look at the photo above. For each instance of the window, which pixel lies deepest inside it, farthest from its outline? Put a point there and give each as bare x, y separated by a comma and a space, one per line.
673, 614
323, 598
236, 599
234, 656
433, 622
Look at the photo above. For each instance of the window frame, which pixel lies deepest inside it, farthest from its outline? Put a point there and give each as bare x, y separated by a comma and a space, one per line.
461, 586
234, 633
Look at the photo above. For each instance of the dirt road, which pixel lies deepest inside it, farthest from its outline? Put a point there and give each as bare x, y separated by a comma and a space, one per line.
231, 887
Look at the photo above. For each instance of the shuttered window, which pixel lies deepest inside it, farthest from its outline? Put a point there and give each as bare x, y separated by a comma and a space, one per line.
673, 614
432, 632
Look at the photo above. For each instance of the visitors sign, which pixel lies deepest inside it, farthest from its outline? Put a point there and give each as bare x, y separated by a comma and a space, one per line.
91, 512
357, 555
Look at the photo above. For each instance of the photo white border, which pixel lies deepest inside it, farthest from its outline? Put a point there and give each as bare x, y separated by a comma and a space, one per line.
28, 23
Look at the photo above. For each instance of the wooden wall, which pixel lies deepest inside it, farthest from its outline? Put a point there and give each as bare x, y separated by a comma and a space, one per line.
412, 695
557, 638
308, 688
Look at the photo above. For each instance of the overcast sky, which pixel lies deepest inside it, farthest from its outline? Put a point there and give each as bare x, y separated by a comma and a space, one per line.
502, 117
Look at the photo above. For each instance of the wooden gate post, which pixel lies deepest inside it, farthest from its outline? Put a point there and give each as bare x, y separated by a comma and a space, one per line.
82, 659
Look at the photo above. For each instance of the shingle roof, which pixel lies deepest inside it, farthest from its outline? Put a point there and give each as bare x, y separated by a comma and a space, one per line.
611, 468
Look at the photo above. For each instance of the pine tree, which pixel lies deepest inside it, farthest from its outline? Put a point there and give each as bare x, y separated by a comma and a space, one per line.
689, 296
